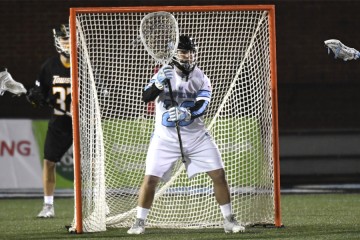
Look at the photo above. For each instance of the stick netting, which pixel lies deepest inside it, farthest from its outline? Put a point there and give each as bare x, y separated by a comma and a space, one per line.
115, 125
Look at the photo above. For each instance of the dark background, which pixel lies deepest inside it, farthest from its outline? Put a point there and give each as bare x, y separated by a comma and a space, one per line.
319, 117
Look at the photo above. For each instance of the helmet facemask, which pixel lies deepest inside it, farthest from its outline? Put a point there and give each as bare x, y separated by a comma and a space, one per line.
185, 60
61, 37
185, 57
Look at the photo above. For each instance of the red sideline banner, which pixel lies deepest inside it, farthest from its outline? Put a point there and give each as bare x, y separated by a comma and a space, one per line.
19, 155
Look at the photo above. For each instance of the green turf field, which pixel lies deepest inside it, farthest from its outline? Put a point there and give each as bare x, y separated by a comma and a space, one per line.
322, 216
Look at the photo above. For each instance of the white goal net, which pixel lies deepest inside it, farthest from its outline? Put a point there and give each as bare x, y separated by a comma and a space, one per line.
111, 67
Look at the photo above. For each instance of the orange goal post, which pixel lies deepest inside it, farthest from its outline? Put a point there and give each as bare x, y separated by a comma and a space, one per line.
112, 126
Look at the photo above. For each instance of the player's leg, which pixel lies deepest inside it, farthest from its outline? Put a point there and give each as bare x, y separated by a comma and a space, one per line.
221, 189
158, 163
49, 179
147, 191
58, 140
205, 157
146, 198
222, 196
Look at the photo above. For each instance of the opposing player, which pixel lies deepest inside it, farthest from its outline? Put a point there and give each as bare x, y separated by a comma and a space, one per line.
53, 88
192, 93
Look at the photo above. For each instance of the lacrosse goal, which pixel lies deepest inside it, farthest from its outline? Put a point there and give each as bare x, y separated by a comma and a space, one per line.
112, 126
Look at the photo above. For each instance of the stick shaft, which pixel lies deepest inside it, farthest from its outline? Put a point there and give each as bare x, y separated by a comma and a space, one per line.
173, 103
58, 109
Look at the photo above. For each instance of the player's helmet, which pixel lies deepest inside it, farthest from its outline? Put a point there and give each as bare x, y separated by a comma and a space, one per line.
185, 56
61, 37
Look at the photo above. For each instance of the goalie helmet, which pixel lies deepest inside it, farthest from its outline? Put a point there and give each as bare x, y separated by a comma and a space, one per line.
184, 58
61, 37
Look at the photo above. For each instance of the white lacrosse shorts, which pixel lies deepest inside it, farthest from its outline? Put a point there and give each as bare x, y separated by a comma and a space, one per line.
201, 154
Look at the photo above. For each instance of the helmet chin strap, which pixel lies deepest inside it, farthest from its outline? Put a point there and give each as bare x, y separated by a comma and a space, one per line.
184, 70
67, 55
65, 60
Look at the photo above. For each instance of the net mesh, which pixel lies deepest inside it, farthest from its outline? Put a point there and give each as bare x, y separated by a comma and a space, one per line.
115, 125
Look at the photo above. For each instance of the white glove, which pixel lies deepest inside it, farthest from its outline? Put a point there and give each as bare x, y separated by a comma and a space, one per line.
165, 72
179, 114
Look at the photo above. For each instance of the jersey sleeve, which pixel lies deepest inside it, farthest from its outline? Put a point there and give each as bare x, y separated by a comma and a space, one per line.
150, 92
205, 91
203, 98
198, 109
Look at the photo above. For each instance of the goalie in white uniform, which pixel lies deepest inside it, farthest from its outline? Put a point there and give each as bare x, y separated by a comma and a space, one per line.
192, 94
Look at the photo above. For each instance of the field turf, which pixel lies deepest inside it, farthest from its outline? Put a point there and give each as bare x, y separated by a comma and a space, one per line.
307, 216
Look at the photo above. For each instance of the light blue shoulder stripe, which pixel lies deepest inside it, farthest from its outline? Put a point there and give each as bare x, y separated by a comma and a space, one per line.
149, 85
204, 93
201, 110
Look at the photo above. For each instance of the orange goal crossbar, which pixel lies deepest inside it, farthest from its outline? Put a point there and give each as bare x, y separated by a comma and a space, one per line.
174, 8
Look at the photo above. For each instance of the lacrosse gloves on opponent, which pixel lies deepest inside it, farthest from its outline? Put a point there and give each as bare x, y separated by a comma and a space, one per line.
35, 97
179, 114
165, 72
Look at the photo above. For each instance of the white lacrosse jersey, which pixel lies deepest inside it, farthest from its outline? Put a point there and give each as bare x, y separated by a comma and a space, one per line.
186, 92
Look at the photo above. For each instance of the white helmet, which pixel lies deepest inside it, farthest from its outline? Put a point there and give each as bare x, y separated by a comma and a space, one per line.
61, 37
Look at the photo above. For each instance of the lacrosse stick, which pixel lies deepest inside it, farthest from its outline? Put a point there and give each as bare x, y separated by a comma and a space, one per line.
7, 83
341, 51
159, 34
58, 109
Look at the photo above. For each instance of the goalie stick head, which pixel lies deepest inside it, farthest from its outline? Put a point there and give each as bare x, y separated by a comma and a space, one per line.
185, 57
61, 38
340, 50
159, 34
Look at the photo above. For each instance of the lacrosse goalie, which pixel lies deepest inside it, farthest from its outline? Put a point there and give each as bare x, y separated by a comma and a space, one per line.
202, 155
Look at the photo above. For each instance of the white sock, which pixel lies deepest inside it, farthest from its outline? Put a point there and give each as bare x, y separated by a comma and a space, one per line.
226, 209
142, 212
49, 200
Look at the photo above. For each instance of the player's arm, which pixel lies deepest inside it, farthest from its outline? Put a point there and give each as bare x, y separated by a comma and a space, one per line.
186, 114
198, 110
38, 94
203, 98
157, 83
35, 95
150, 93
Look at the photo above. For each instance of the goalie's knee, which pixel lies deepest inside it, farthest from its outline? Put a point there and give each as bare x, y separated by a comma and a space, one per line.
150, 181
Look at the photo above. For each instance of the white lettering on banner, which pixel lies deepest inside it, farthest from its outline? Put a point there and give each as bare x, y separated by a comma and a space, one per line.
20, 164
